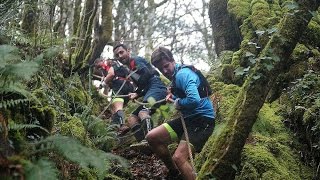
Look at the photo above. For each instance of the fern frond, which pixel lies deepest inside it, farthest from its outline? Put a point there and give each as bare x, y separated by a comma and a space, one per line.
8, 53
17, 127
101, 139
15, 87
11, 102
84, 156
42, 169
23, 70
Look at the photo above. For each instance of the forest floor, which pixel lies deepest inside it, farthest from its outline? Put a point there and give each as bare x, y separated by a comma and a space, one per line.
144, 164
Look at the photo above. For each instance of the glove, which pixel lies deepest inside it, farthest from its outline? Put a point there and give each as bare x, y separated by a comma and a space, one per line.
176, 104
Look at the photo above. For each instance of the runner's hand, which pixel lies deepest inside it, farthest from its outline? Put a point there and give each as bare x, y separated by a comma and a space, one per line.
133, 95
169, 98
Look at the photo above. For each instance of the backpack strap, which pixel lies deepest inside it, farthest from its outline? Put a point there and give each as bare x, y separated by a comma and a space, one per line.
132, 64
204, 88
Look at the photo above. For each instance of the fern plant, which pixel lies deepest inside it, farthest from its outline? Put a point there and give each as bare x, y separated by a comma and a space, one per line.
13, 71
74, 151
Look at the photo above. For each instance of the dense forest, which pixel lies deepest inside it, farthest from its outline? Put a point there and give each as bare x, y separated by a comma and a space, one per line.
264, 60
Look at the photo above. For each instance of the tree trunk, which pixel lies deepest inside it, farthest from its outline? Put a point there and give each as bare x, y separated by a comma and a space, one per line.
29, 17
225, 30
226, 150
76, 16
85, 32
104, 31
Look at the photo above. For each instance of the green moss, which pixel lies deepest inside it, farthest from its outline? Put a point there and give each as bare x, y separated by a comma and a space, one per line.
236, 58
240, 9
227, 73
312, 34
297, 70
74, 127
260, 14
78, 95
87, 174
269, 156
246, 30
268, 123
248, 172
264, 161
46, 116
228, 95
226, 57
300, 52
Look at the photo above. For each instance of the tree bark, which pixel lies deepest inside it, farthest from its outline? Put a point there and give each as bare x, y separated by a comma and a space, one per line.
104, 31
225, 30
85, 32
76, 16
226, 150
28, 24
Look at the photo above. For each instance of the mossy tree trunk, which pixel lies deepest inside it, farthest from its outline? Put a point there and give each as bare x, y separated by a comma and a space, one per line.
75, 27
224, 157
29, 18
76, 16
225, 30
103, 31
60, 25
84, 35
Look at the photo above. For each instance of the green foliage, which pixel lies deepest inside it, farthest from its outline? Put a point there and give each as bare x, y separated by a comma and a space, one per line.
13, 71
16, 127
302, 113
102, 134
75, 152
268, 153
41, 169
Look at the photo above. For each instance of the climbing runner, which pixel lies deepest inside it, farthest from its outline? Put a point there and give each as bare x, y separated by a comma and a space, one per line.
114, 77
149, 85
190, 94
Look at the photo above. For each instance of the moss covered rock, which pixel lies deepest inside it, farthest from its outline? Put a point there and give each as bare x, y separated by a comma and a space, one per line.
269, 155
74, 127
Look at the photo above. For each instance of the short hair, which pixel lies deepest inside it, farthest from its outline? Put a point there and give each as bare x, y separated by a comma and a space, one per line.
98, 61
120, 45
161, 53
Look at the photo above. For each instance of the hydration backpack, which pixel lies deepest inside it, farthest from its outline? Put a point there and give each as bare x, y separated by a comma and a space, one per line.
204, 88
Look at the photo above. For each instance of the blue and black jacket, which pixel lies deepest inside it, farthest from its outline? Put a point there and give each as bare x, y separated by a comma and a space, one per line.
186, 84
144, 72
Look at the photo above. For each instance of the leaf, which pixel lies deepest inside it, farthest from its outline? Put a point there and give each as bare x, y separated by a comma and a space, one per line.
259, 33
256, 77
252, 60
8, 53
313, 13
239, 71
249, 54
268, 66
276, 58
234, 167
23, 70
82, 155
272, 30
14, 126
291, 5
250, 43
40, 170
246, 69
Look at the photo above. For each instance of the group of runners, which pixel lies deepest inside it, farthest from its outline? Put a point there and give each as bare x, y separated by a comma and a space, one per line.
189, 92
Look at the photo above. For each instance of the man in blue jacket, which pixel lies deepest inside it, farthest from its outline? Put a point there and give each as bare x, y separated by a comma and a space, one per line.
190, 96
149, 85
